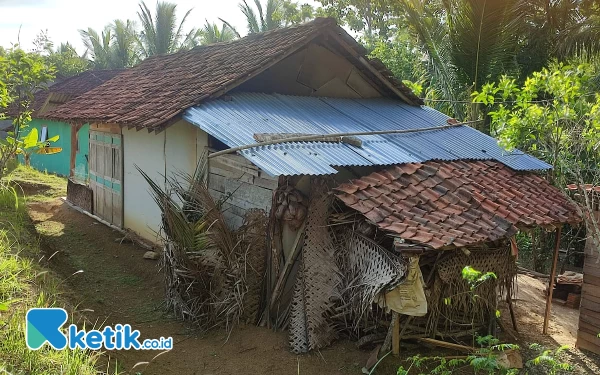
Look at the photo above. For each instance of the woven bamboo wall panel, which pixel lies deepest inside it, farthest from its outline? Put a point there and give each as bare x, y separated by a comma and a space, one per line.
317, 281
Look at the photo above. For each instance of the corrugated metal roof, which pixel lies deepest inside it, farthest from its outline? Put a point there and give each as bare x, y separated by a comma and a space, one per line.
235, 121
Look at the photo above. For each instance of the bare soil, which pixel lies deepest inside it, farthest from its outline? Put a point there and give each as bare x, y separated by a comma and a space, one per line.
118, 286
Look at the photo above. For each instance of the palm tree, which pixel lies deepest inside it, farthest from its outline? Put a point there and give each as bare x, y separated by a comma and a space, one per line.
160, 33
467, 43
123, 48
98, 46
211, 33
269, 20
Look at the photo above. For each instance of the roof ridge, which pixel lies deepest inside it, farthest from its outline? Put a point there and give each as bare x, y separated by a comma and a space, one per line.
324, 21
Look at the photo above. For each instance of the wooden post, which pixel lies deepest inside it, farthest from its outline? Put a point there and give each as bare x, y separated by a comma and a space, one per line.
396, 334
74, 144
551, 282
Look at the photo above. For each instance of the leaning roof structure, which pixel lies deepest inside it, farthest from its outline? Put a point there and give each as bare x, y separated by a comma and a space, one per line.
456, 203
152, 93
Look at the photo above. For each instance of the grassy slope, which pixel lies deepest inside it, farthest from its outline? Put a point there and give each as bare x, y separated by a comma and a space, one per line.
24, 283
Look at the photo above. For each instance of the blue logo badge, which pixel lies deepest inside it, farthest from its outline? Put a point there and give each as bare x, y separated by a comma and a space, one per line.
44, 325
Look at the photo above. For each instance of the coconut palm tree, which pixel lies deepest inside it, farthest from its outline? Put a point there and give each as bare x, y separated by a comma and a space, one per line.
210, 33
123, 48
467, 43
264, 21
114, 48
98, 46
161, 34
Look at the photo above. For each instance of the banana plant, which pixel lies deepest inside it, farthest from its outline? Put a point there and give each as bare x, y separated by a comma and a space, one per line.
30, 144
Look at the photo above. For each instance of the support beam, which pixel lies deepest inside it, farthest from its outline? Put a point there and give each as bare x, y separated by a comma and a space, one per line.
551, 282
321, 137
395, 333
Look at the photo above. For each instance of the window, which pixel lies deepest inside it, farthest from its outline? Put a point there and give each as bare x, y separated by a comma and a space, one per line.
44, 134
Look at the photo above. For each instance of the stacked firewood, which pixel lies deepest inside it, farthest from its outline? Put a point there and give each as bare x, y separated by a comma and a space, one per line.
291, 206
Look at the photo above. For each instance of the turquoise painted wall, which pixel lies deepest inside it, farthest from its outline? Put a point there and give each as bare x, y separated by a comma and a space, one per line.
54, 163
60, 163
81, 158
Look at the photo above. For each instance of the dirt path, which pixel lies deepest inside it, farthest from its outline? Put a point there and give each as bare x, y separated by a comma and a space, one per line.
118, 286
530, 307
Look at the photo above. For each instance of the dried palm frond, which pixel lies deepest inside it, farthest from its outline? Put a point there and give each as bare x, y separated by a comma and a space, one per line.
211, 271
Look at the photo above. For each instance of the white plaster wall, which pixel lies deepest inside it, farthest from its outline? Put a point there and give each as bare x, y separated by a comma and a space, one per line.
181, 148
148, 151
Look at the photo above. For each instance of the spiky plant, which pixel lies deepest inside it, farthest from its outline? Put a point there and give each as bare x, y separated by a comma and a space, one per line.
212, 272
211, 33
123, 48
467, 43
98, 46
161, 34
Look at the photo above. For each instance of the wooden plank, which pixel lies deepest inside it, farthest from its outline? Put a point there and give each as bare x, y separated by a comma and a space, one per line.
591, 291
221, 161
284, 273
589, 316
586, 345
395, 333
592, 280
591, 270
448, 345
117, 209
73, 150
589, 328
255, 195
234, 200
91, 184
551, 281
229, 172
585, 302
99, 200
106, 128
590, 297
236, 174
370, 67
236, 160
108, 206
591, 338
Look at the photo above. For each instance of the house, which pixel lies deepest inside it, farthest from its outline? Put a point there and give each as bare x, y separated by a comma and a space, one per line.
72, 160
301, 124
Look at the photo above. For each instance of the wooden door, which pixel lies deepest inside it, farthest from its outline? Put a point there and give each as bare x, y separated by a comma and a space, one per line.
106, 176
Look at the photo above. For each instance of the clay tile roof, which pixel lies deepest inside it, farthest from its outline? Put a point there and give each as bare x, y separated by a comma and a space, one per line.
478, 202
72, 87
161, 87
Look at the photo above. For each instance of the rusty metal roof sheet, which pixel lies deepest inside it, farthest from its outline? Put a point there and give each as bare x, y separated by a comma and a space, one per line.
235, 121
456, 203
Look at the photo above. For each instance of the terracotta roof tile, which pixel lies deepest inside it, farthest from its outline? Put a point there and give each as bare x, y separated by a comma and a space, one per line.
457, 203
150, 94
68, 89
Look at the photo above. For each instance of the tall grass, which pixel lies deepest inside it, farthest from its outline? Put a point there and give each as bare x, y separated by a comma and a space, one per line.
25, 284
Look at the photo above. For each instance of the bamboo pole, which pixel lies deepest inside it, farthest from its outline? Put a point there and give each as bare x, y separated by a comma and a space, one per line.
551, 282
396, 334
317, 137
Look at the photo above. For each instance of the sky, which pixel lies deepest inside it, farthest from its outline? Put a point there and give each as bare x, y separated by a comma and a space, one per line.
63, 18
